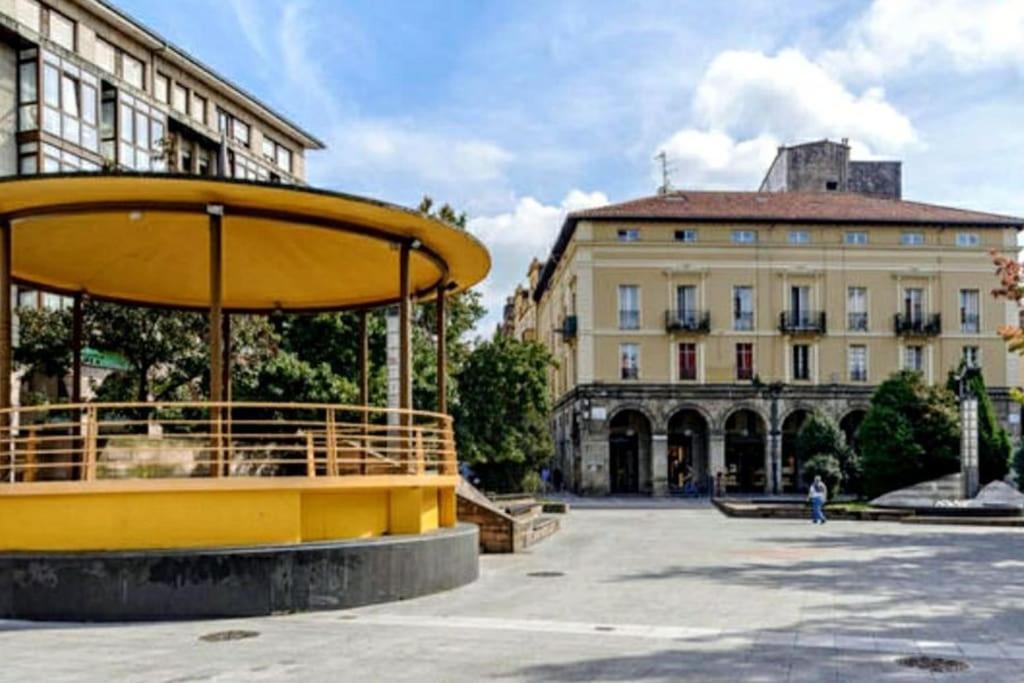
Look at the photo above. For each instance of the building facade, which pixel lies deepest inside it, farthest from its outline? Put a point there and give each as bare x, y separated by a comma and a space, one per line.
85, 88
696, 331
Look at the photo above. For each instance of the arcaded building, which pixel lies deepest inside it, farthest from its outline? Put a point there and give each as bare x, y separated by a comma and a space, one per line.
696, 331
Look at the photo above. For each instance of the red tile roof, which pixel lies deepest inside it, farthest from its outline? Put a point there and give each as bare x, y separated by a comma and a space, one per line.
824, 207
772, 207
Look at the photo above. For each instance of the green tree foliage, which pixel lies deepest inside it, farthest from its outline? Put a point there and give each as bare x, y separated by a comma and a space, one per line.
910, 434
501, 420
1018, 465
820, 435
827, 467
44, 341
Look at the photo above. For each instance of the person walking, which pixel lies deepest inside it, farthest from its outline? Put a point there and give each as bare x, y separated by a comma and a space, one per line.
818, 495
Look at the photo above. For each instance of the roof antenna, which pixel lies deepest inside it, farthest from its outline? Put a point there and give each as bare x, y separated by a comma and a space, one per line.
666, 182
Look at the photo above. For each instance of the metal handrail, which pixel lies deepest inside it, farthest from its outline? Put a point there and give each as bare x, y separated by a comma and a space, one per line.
175, 440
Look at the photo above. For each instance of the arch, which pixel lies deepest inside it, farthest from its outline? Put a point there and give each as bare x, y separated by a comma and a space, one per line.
850, 423
629, 451
791, 425
709, 418
746, 452
688, 467
614, 412
741, 406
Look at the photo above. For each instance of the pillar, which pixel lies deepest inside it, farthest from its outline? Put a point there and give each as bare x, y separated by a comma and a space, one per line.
659, 464
76, 349
716, 458
6, 341
364, 359
216, 214
442, 351
404, 331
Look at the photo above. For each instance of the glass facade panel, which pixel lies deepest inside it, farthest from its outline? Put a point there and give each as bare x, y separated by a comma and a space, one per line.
62, 30
132, 70
106, 56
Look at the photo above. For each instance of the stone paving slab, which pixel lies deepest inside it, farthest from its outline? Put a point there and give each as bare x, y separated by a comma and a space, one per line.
637, 594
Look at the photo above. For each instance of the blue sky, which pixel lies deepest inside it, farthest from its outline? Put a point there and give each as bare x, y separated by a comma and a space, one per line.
519, 111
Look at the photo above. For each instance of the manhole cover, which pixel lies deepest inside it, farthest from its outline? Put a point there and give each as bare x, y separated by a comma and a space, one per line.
221, 636
545, 575
934, 664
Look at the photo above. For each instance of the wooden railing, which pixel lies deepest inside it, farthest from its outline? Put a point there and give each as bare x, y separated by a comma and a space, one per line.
98, 441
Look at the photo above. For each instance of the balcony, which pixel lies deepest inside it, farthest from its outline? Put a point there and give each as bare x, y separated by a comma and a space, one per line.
688, 321
802, 322
923, 325
569, 327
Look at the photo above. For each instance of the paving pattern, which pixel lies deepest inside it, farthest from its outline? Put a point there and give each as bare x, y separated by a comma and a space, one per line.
623, 593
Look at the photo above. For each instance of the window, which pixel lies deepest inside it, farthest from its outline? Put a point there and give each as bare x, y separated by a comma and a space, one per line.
686, 304
199, 108
855, 238
687, 361
179, 98
284, 159
858, 363
28, 158
27, 298
744, 236
132, 70
277, 154
223, 121
912, 239
629, 307
831, 185
801, 362
70, 101
61, 30
162, 88
629, 361
799, 237
28, 92
141, 128
970, 320
968, 239
629, 235
913, 358
29, 13
240, 131
106, 56
857, 309
744, 361
913, 305
971, 356
688, 236
743, 308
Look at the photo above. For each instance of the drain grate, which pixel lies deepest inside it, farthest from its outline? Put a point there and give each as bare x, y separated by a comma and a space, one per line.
934, 664
545, 575
221, 636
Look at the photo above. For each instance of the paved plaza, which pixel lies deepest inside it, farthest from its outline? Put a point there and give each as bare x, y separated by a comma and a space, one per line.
656, 593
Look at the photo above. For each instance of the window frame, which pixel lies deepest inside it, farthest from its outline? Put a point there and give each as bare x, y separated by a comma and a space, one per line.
856, 237
850, 312
629, 319
626, 371
968, 240
628, 234
800, 371
851, 370
688, 349
47, 24
738, 315
799, 237
965, 324
740, 236
912, 238
744, 350
686, 236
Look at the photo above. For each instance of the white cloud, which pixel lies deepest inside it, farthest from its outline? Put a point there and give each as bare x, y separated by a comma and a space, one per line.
517, 236
747, 103
896, 35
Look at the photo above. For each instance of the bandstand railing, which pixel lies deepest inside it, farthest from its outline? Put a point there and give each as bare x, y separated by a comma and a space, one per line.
104, 441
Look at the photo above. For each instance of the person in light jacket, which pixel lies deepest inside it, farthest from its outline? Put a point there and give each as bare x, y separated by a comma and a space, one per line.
818, 495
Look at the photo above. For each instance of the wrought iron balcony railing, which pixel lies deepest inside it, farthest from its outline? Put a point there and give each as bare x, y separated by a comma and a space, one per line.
802, 322
688, 321
923, 325
569, 327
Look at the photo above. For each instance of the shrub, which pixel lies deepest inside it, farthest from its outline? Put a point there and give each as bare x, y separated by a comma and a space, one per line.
828, 468
910, 434
821, 435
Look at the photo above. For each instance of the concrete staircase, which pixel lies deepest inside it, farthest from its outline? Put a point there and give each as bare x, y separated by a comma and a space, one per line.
507, 526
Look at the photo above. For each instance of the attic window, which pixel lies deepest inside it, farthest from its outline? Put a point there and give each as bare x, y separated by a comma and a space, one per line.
629, 235
831, 185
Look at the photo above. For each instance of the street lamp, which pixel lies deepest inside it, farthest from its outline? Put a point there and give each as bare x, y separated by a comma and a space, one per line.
772, 391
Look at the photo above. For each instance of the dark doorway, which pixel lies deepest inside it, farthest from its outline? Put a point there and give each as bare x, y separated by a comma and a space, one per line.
688, 453
791, 481
745, 453
629, 439
850, 424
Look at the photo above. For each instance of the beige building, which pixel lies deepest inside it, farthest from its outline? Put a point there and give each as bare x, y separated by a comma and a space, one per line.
83, 87
694, 331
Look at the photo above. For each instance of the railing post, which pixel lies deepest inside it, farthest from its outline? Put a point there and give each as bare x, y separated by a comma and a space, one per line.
91, 436
420, 464
310, 455
450, 464
30, 455
332, 444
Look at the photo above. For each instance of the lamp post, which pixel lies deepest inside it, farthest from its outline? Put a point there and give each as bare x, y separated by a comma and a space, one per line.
772, 391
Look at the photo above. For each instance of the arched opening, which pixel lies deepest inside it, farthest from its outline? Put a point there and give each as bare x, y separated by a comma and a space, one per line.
688, 453
629, 444
850, 424
745, 434
790, 463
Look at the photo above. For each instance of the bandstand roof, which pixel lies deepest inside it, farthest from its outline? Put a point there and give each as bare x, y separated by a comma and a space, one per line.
144, 238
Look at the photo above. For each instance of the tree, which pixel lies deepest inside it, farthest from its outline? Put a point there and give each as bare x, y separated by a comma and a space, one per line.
821, 436
909, 435
828, 468
1018, 465
44, 341
502, 413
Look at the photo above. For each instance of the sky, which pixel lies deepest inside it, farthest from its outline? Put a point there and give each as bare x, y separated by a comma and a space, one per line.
517, 112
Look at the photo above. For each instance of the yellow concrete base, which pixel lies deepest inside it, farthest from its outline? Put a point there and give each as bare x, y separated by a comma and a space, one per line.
128, 515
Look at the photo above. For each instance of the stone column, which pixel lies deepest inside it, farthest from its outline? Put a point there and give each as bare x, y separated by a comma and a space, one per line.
596, 459
716, 457
659, 465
